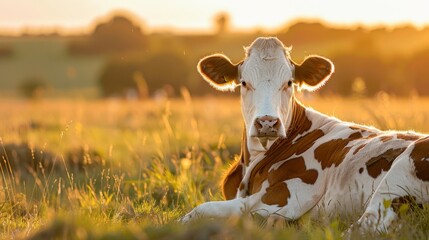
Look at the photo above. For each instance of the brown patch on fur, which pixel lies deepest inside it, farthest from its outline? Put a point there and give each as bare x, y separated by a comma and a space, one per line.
399, 201
371, 135
420, 156
299, 123
333, 152
383, 162
364, 130
277, 194
292, 168
284, 148
386, 138
407, 137
359, 148
231, 181
355, 135
355, 128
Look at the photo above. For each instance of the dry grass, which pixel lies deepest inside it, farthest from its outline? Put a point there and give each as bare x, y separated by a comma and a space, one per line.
71, 168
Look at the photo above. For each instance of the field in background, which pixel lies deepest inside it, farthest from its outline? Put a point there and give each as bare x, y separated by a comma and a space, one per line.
71, 168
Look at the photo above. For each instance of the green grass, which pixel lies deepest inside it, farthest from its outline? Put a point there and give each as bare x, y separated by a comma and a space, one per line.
129, 170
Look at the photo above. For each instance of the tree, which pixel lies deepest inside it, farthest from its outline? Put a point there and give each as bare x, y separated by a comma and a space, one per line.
222, 23
145, 74
369, 69
117, 77
119, 34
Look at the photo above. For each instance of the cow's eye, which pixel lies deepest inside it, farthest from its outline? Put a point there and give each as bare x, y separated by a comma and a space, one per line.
246, 85
287, 85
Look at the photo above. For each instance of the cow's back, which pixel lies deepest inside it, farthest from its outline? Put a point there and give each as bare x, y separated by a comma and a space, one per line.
353, 160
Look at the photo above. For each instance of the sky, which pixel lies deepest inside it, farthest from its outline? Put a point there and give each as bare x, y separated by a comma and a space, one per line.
198, 15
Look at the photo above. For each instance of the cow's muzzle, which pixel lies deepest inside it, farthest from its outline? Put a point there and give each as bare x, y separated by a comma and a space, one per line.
267, 127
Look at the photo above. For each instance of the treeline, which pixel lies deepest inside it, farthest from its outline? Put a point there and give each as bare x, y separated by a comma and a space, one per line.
368, 61
393, 60
363, 74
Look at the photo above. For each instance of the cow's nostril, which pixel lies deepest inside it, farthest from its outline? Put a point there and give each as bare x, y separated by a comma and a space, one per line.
272, 121
267, 125
258, 125
276, 125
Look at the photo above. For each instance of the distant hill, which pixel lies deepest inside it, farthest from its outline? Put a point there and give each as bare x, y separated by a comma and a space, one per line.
382, 59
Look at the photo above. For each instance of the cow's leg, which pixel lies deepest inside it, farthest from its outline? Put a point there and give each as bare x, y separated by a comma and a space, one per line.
241, 206
217, 209
301, 199
401, 182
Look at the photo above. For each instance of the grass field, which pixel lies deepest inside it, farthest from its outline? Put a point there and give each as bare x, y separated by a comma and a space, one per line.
115, 169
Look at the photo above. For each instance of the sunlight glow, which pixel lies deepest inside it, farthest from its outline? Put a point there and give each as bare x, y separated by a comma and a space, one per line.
191, 15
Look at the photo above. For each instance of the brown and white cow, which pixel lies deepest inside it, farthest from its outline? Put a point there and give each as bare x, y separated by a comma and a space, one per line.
296, 160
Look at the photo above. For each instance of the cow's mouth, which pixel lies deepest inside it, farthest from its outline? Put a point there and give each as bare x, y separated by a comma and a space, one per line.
264, 140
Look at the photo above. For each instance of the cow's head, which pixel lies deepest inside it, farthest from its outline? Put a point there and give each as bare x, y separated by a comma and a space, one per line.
266, 77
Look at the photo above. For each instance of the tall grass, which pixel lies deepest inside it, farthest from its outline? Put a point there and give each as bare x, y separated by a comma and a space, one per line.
129, 169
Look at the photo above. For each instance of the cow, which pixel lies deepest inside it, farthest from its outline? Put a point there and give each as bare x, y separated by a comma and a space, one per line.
295, 160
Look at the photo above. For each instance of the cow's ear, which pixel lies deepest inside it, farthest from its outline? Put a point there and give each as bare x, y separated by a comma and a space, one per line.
219, 72
313, 72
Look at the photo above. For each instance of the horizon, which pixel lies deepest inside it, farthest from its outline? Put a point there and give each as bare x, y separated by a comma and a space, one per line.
190, 16
85, 30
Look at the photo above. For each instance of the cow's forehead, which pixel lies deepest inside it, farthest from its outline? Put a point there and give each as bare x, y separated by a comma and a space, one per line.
267, 59
266, 49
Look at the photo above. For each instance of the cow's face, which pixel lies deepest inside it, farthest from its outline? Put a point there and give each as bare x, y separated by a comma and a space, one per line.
266, 77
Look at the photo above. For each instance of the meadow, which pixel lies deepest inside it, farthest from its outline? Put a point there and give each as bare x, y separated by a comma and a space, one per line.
116, 169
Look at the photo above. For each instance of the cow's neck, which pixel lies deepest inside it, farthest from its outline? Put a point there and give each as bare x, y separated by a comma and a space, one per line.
300, 136
297, 124
245, 154
299, 121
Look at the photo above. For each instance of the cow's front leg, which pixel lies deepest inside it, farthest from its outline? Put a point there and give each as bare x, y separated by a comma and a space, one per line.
262, 203
217, 209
